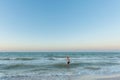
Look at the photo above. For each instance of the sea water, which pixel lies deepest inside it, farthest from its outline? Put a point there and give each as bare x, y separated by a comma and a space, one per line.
54, 63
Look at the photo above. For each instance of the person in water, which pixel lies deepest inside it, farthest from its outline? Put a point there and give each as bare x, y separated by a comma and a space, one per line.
68, 60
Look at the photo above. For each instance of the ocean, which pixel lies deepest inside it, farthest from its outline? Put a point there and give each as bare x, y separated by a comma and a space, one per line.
54, 63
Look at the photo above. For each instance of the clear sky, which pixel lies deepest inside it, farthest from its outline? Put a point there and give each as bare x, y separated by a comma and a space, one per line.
59, 25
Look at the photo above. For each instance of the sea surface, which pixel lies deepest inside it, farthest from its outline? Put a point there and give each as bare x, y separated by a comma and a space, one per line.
54, 63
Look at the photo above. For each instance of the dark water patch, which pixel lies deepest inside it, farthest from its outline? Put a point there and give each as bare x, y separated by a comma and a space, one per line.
6, 59
92, 68
25, 59
19, 66
110, 57
118, 56
51, 58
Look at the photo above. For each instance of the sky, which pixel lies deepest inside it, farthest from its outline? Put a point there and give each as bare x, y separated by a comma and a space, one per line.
59, 25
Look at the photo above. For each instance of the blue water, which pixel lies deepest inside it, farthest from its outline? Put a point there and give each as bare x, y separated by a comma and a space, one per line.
54, 63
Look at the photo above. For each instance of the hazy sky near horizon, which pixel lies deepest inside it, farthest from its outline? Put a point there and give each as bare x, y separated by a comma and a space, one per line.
59, 25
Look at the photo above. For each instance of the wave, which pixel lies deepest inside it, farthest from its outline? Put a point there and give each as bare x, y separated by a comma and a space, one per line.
84, 64
19, 58
85, 58
98, 63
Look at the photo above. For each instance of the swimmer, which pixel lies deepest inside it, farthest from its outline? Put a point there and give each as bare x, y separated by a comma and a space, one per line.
68, 60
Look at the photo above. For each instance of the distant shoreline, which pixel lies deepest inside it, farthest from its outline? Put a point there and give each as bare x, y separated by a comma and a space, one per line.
64, 77
100, 77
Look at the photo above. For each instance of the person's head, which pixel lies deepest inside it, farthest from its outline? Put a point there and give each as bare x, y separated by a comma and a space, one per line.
67, 56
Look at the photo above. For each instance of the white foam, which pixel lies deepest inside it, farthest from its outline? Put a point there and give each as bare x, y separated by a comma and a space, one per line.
1, 74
